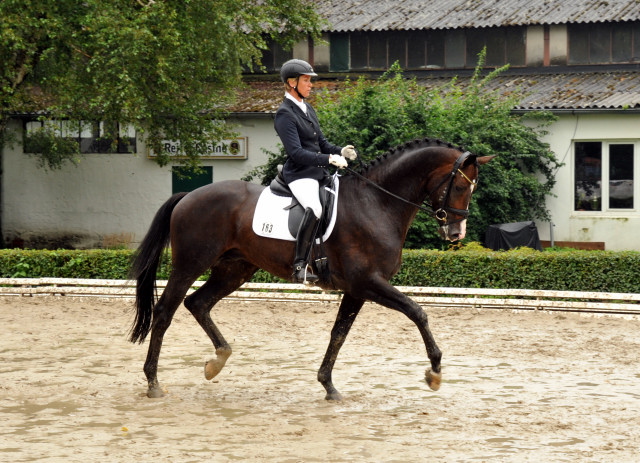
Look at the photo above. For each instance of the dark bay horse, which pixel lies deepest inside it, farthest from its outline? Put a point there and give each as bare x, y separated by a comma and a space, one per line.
211, 228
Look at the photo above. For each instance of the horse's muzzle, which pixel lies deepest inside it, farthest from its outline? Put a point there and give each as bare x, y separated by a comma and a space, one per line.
453, 232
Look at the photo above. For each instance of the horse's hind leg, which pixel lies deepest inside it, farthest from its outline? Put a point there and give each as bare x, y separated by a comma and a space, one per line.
227, 276
349, 309
163, 313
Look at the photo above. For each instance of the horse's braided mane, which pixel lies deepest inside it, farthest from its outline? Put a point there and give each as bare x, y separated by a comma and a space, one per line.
400, 149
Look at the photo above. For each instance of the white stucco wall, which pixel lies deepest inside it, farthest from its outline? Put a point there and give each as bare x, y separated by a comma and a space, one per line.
535, 45
617, 229
558, 42
108, 197
111, 198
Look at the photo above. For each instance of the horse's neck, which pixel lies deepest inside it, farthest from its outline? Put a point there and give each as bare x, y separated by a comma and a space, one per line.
408, 174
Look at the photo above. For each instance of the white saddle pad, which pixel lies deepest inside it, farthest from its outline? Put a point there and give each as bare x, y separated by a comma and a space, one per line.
271, 218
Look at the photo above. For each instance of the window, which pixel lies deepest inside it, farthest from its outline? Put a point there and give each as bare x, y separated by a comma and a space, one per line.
378, 51
588, 169
416, 49
504, 45
435, 49
274, 56
91, 137
516, 44
604, 43
398, 48
604, 176
621, 176
456, 48
578, 44
359, 50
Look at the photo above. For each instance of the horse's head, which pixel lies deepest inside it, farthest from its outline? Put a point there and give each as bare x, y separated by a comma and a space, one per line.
451, 196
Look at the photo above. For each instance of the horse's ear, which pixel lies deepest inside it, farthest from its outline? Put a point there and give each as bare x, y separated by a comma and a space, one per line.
484, 159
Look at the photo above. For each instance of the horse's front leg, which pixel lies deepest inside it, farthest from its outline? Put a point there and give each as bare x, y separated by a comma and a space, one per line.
382, 292
349, 308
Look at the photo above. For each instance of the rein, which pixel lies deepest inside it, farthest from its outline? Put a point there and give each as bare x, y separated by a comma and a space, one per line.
441, 213
428, 209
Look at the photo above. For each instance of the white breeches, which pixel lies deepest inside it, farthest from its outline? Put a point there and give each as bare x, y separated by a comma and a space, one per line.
306, 191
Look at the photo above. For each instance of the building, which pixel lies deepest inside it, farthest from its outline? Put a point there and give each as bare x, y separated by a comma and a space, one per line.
578, 59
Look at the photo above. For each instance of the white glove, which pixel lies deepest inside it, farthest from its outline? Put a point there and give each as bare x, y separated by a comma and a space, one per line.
339, 161
349, 152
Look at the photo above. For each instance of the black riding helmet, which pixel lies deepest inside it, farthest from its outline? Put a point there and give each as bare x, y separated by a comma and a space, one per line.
294, 68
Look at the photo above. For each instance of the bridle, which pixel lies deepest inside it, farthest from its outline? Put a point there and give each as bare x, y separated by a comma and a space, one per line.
441, 213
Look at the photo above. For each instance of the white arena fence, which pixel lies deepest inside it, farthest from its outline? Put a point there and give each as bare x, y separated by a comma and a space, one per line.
522, 299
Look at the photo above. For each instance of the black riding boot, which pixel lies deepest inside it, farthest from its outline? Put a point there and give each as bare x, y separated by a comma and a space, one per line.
304, 241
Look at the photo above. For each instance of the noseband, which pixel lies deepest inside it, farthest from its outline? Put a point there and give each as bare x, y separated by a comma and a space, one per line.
440, 214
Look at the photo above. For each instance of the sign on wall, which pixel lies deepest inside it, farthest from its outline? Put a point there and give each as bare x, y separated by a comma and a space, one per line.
235, 148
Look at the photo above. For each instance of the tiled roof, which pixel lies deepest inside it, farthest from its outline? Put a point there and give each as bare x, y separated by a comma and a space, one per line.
377, 15
596, 90
615, 90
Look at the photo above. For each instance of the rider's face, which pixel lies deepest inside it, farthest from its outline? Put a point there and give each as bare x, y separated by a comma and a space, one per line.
304, 85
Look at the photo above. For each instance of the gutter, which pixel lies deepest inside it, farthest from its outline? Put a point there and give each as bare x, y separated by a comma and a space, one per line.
246, 114
579, 111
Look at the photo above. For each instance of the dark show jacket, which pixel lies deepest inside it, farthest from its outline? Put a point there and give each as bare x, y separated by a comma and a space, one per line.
307, 149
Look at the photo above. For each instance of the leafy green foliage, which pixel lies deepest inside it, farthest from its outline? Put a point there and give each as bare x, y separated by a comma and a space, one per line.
522, 268
166, 67
269, 170
470, 266
53, 149
104, 264
377, 115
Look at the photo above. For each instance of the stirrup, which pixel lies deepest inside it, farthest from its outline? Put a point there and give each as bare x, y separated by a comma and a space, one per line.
300, 274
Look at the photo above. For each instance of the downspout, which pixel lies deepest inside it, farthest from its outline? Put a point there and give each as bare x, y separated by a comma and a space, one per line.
2, 246
3, 128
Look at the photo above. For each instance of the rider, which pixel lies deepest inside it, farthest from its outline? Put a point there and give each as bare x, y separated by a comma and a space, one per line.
308, 156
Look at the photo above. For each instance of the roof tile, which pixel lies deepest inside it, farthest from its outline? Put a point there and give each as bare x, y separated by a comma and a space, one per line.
565, 91
376, 15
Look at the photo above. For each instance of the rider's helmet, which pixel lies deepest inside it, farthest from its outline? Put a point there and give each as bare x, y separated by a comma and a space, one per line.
295, 68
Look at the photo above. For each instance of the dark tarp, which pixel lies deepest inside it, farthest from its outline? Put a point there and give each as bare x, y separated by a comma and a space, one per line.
512, 235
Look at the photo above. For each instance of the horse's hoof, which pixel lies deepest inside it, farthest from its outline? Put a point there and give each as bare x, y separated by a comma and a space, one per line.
433, 379
211, 369
155, 393
332, 393
334, 396
213, 366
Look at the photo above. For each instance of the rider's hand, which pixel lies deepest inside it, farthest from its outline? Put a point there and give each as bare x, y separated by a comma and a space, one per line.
349, 152
339, 161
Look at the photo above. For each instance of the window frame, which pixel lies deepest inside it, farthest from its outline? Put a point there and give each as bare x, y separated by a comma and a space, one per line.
90, 135
581, 36
440, 49
605, 209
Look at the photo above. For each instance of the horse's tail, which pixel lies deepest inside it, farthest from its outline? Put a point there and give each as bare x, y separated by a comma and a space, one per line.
145, 266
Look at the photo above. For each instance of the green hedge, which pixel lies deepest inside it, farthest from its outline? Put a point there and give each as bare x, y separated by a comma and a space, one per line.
524, 268
472, 266
96, 263
104, 264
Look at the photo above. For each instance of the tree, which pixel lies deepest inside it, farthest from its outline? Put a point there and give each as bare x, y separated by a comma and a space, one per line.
376, 115
165, 67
